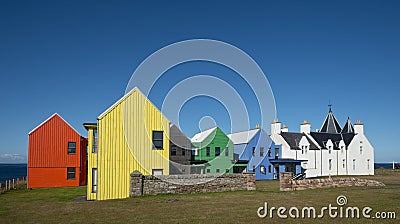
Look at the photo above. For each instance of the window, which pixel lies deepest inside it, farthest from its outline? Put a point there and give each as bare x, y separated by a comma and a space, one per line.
183, 170
330, 164
226, 151
208, 170
157, 140
254, 168
254, 151
368, 164
207, 151
71, 173
173, 150
354, 164
71, 147
195, 151
183, 152
226, 170
341, 148
94, 180
344, 163
156, 172
269, 168
217, 170
262, 152
94, 146
217, 151
262, 169
361, 149
330, 151
269, 152
276, 153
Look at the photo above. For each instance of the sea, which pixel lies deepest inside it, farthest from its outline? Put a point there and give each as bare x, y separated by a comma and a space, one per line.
12, 171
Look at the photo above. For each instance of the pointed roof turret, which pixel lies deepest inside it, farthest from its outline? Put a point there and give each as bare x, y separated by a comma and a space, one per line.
331, 125
348, 127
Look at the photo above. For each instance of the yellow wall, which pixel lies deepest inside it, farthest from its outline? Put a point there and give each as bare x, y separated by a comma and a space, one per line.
92, 163
122, 152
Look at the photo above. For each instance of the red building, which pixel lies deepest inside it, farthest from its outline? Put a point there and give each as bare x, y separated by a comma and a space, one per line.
56, 155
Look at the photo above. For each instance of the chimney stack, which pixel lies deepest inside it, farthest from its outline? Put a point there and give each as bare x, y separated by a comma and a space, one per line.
276, 127
358, 127
305, 127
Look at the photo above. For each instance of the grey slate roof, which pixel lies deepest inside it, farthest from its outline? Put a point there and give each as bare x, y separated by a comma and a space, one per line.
293, 139
348, 127
322, 138
331, 125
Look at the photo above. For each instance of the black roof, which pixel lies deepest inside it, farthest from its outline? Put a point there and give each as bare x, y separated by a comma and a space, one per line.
348, 127
331, 125
293, 139
322, 138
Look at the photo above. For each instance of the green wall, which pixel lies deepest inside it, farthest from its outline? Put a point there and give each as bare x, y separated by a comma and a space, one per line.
215, 139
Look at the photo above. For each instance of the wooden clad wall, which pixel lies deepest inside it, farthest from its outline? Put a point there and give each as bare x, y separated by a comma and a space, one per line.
125, 144
48, 156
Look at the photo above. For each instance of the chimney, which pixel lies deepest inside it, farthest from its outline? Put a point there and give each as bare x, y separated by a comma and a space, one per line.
305, 127
358, 127
285, 128
276, 127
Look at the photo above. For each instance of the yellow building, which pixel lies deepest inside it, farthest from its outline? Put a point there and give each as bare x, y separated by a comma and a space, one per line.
131, 135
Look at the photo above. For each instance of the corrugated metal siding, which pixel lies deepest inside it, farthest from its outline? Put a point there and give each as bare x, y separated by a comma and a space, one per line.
48, 148
120, 153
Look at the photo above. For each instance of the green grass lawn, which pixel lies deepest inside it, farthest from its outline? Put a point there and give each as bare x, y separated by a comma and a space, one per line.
58, 205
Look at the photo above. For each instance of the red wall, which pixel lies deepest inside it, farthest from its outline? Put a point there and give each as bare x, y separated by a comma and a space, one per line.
48, 156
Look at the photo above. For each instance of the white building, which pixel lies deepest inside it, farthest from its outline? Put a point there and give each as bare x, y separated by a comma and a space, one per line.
330, 151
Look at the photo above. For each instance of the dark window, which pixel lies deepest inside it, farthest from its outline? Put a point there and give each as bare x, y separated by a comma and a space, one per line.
269, 152
94, 146
183, 152
158, 139
254, 168
208, 170
269, 168
261, 151
217, 170
173, 150
94, 180
226, 151
217, 151
226, 170
71, 173
207, 151
254, 151
71, 147
262, 169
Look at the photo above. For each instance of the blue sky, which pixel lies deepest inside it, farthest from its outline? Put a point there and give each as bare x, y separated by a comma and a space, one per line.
76, 58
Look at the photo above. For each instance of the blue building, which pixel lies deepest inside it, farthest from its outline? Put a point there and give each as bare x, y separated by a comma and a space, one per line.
254, 151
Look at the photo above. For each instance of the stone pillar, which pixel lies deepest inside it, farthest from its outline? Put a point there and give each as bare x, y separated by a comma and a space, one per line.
285, 181
136, 184
251, 181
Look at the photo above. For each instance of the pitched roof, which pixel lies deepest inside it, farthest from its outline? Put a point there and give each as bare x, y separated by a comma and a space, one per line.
243, 137
330, 125
322, 138
199, 137
54, 115
293, 139
348, 127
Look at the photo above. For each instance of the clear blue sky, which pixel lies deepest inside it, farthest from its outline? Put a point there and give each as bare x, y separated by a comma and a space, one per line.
76, 58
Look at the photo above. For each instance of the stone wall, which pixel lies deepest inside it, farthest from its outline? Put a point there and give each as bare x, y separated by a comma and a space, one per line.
190, 184
286, 184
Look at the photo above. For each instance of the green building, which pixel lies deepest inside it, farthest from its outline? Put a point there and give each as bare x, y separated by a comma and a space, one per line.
213, 150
